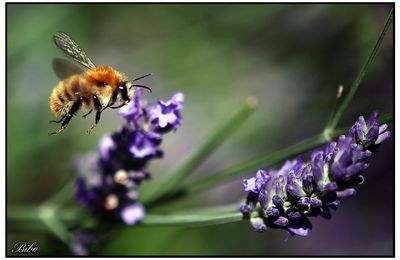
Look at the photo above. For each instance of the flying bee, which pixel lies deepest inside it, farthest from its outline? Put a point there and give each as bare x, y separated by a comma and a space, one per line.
97, 88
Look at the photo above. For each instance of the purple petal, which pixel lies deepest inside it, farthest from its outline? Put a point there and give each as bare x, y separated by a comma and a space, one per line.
315, 202
355, 169
346, 193
281, 221
132, 214
250, 185
382, 137
298, 231
330, 187
372, 133
262, 198
308, 185
272, 212
258, 224
179, 99
263, 176
295, 190
303, 202
292, 214
80, 242
278, 201
130, 111
382, 128
105, 145
143, 144
362, 124
245, 209
373, 119
84, 195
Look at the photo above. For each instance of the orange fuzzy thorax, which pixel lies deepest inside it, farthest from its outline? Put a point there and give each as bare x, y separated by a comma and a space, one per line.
104, 75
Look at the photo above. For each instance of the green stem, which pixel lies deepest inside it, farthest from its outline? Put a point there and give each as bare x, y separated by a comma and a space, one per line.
194, 217
43, 217
47, 217
346, 101
175, 178
252, 165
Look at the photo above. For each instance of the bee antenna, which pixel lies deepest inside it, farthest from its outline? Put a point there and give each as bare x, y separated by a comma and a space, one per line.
141, 86
142, 76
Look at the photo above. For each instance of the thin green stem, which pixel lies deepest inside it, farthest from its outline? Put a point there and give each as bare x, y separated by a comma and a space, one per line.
175, 178
33, 214
193, 217
353, 89
47, 217
252, 165
58, 229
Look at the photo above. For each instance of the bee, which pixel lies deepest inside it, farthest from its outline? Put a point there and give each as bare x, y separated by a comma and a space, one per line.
97, 88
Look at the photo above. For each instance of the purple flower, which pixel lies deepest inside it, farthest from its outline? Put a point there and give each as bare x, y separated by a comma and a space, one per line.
255, 184
80, 242
106, 144
370, 133
132, 214
287, 197
109, 179
166, 116
144, 144
348, 159
133, 110
258, 224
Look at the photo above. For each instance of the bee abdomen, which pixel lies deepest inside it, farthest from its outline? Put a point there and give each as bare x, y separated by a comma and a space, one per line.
61, 99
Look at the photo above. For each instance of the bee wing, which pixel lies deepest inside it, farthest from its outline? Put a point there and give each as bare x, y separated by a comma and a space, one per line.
64, 68
72, 49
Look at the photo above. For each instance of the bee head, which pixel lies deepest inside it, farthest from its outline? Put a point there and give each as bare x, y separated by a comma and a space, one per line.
123, 90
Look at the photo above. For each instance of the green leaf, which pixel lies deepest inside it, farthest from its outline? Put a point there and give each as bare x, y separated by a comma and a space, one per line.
175, 178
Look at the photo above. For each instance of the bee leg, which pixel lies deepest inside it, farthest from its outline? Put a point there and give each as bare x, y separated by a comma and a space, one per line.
98, 107
121, 105
98, 114
67, 117
58, 121
88, 113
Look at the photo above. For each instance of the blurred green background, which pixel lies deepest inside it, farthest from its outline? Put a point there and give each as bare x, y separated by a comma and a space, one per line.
292, 57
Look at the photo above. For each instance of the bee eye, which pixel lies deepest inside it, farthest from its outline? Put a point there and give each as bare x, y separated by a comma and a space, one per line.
102, 83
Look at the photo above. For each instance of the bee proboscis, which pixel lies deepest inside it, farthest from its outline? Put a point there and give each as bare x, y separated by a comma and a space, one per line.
97, 88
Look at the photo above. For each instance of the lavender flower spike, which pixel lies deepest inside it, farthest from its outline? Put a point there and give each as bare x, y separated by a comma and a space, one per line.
286, 198
109, 179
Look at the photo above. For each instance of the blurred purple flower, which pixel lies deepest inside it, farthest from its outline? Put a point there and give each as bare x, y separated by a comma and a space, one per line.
108, 181
132, 214
287, 197
133, 110
80, 242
